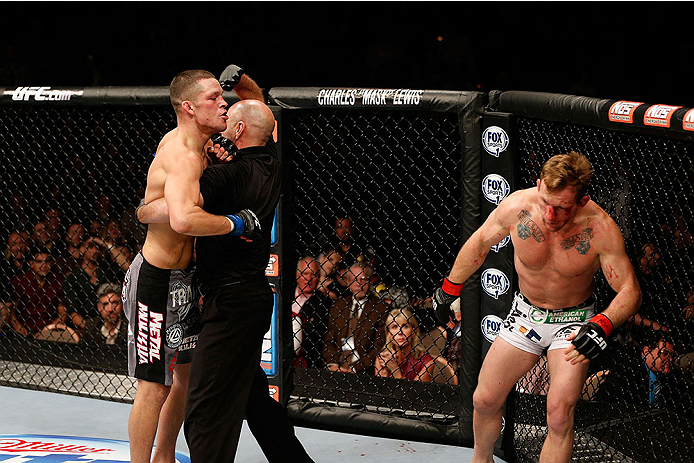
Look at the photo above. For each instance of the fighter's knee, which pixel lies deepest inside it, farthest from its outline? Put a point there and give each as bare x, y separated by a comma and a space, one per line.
486, 401
152, 392
560, 415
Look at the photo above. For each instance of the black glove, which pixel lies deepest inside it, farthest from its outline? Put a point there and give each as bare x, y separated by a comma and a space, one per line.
443, 298
230, 77
246, 225
591, 339
224, 142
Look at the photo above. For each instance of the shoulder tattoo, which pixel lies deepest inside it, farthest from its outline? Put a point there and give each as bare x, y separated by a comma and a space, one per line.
527, 227
580, 241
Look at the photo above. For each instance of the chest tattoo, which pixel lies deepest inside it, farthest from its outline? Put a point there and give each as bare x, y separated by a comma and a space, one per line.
581, 241
527, 228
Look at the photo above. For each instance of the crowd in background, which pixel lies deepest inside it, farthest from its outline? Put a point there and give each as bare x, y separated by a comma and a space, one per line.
60, 280
60, 277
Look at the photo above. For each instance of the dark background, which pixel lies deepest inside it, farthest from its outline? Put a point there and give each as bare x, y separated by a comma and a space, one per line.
623, 50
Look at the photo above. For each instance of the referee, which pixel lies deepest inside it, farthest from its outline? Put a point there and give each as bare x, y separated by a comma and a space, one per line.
226, 380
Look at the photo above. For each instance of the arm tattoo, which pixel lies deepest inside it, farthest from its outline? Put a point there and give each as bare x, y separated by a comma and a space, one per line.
527, 227
580, 241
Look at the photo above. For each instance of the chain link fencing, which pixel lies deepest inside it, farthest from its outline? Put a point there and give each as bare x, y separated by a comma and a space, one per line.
73, 176
376, 204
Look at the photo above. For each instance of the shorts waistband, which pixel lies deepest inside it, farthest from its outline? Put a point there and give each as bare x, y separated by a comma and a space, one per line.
583, 305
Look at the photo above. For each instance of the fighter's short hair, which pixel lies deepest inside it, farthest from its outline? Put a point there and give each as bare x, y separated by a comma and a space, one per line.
184, 85
567, 170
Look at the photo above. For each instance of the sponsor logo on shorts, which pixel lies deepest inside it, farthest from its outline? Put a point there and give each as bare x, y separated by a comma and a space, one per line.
174, 336
537, 315
659, 115
495, 140
189, 342
182, 296
124, 291
495, 282
533, 336
623, 111
491, 324
688, 120
148, 334
565, 332
495, 188
568, 316
501, 244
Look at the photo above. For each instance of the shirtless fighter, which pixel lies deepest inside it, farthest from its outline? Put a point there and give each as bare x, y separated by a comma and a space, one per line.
159, 295
561, 239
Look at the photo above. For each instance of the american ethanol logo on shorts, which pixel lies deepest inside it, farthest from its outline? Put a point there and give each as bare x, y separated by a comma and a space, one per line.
29, 448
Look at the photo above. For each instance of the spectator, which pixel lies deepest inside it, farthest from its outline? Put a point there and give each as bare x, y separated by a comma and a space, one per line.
52, 218
73, 242
119, 253
355, 326
80, 286
328, 261
38, 295
345, 237
108, 327
639, 378
404, 356
309, 314
41, 237
12, 263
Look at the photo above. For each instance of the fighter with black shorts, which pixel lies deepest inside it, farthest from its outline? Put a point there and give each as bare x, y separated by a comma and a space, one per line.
163, 314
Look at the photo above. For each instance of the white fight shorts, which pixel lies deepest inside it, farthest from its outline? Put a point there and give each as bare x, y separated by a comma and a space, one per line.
534, 329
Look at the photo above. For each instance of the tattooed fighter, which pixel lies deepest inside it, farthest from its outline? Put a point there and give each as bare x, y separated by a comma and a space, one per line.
561, 239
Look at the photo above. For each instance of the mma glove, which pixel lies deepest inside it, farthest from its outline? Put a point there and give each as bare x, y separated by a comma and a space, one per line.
224, 142
443, 298
230, 77
245, 224
591, 339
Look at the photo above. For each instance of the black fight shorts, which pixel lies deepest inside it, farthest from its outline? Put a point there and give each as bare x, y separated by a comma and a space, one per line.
163, 312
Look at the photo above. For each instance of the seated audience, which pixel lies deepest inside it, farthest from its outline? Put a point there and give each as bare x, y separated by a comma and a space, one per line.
403, 356
113, 241
328, 261
309, 314
639, 378
356, 331
12, 263
110, 326
38, 295
80, 286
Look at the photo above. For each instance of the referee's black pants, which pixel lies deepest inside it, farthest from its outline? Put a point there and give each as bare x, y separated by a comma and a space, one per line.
226, 380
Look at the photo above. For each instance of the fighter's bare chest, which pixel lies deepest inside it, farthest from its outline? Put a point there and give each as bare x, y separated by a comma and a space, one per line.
569, 253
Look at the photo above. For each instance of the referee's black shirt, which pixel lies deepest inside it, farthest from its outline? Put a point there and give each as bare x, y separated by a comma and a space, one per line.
251, 181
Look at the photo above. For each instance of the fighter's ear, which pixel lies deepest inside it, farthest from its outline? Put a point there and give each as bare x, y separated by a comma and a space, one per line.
584, 201
187, 107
